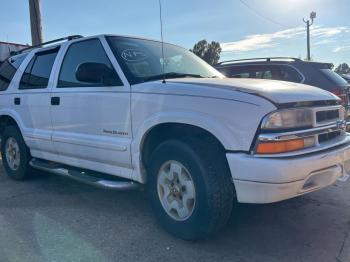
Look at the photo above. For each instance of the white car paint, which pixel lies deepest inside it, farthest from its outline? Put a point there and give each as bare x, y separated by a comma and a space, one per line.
279, 92
74, 133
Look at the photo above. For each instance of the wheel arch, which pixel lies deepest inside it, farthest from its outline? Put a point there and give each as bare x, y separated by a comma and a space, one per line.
7, 119
159, 128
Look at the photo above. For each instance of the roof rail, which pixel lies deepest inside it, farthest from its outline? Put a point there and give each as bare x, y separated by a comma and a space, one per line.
267, 59
68, 38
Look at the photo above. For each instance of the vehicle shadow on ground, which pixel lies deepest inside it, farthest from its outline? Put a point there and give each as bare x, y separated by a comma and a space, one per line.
50, 218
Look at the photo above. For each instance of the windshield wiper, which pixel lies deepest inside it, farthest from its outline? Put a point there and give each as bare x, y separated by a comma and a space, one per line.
171, 75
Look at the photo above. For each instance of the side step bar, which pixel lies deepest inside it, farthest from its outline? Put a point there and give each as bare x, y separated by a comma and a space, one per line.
82, 176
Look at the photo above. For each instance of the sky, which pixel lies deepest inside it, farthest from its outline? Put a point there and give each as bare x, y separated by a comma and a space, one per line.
244, 28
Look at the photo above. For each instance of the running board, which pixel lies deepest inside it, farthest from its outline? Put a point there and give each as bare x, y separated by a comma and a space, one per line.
83, 176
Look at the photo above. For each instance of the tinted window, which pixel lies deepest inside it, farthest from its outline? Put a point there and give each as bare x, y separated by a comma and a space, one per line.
289, 74
239, 72
275, 72
8, 69
38, 71
89, 51
265, 74
337, 79
240, 75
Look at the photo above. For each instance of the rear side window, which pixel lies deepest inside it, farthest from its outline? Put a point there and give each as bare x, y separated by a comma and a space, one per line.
289, 74
88, 51
8, 69
264, 74
275, 72
38, 70
337, 79
237, 72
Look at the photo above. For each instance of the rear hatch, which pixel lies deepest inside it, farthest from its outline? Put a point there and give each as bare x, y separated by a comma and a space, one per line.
339, 86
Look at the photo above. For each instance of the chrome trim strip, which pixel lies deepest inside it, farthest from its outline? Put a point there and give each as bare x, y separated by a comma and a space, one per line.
299, 134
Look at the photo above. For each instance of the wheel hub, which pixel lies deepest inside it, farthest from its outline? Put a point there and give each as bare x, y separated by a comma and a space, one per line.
12, 152
176, 190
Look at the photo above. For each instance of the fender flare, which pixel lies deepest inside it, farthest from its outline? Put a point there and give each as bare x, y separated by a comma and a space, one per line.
15, 116
203, 121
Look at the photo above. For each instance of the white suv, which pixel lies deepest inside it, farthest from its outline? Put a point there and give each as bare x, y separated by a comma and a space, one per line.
112, 112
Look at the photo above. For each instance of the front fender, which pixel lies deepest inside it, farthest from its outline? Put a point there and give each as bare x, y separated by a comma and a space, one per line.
217, 129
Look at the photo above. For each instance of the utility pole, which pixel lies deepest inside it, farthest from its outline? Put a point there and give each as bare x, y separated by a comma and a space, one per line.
35, 22
308, 24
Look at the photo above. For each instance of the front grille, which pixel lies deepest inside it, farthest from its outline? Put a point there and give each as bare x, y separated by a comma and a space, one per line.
328, 136
326, 116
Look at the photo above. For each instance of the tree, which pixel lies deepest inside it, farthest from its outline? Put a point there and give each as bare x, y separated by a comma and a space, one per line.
343, 69
209, 52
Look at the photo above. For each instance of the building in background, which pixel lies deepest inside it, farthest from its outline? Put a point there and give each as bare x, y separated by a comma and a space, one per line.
7, 48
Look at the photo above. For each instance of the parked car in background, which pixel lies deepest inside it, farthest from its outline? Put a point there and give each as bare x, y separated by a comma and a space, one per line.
346, 77
289, 69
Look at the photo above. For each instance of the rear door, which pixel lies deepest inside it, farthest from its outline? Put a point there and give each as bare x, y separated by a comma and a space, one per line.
31, 101
91, 122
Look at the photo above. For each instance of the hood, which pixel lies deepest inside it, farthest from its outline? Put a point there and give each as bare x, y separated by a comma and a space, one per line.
279, 92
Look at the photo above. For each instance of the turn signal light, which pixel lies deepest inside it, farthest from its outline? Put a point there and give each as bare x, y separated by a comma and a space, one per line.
275, 147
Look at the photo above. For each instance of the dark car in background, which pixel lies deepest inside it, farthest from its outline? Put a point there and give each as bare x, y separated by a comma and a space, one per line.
289, 69
346, 77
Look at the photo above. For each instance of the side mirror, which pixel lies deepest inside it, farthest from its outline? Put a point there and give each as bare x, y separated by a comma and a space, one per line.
97, 73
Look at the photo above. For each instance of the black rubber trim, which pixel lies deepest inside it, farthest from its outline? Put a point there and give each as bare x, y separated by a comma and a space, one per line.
237, 152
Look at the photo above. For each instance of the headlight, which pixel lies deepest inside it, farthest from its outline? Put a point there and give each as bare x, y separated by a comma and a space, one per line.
288, 119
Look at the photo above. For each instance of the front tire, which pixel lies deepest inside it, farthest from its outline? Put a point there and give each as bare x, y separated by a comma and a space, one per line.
190, 188
15, 154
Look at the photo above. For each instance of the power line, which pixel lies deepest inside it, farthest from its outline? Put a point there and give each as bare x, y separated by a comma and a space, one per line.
263, 16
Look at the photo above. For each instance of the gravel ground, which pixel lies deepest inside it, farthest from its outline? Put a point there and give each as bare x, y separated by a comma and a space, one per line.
50, 218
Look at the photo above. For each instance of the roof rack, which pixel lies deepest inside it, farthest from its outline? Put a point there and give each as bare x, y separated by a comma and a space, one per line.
68, 38
267, 59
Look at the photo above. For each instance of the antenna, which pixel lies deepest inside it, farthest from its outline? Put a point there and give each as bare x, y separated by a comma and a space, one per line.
161, 36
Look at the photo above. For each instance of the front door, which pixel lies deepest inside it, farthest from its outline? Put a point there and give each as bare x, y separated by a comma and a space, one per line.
91, 121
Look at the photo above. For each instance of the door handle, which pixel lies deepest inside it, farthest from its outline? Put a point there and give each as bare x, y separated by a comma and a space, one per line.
55, 100
17, 101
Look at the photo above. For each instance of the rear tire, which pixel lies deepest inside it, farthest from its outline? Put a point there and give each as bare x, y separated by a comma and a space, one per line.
15, 154
186, 211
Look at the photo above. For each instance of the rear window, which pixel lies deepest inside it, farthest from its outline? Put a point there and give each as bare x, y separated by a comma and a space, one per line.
38, 71
8, 69
331, 75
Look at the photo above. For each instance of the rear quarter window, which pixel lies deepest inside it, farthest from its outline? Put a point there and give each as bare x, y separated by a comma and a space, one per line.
8, 69
334, 77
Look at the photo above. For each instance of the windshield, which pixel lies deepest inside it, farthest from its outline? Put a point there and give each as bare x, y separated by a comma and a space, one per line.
141, 60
